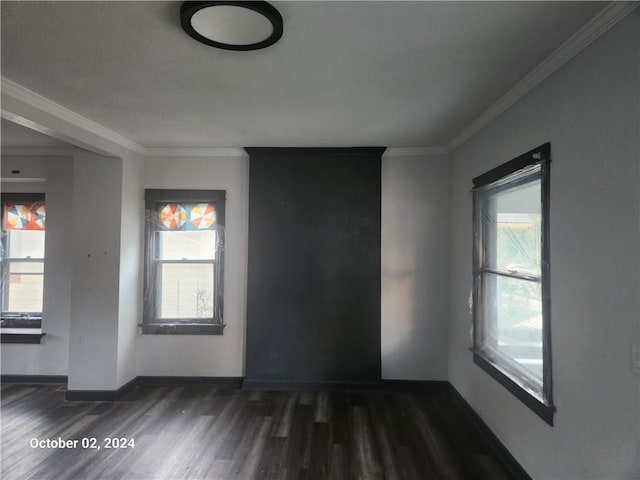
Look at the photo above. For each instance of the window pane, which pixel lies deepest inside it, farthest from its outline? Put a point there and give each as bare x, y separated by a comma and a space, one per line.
25, 244
24, 293
26, 267
514, 320
513, 223
187, 291
187, 245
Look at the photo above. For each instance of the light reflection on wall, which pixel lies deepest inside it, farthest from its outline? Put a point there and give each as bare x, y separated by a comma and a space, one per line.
415, 267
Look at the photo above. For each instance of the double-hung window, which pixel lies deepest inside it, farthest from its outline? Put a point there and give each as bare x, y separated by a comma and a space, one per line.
511, 304
184, 268
23, 240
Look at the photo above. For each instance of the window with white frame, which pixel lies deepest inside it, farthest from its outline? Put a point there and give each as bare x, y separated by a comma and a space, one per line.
184, 268
511, 307
23, 241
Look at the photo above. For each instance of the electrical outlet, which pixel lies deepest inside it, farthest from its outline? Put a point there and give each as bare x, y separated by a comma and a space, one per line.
635, 359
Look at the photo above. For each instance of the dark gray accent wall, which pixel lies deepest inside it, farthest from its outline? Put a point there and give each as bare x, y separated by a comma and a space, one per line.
313, 306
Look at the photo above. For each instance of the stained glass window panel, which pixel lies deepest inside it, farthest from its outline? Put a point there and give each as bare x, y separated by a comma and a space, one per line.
202, 216
173, 216
187, 216
24, 216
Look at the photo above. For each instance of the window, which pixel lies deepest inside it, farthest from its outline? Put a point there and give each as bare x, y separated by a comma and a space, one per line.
22, 248
512, 339
185, 262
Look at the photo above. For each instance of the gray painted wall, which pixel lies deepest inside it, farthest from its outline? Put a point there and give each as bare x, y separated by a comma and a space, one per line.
84, 214
95, 265
414, 228
588, 110
131, 266
415, 270
206, 355
51, 357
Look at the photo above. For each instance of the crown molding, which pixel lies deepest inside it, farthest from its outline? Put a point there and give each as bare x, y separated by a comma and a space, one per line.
37, 151
193, 152
414, 151
57, 111
241, 152
598, 25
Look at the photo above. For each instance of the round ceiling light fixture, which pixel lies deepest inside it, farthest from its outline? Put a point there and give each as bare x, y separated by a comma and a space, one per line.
232, 25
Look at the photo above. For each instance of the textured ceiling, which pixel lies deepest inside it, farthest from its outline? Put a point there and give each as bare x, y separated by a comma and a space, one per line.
344, 73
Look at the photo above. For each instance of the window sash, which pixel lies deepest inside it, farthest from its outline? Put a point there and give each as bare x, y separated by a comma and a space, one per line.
532, 166
158, 288
488, 239
155, 262
489, 335
6, 286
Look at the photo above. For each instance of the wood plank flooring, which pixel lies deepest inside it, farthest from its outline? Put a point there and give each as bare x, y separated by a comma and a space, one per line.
203, 432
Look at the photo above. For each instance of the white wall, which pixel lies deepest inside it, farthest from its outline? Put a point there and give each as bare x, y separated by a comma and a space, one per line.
589, 111
95, 240
415, 270
131, 266
51, 357
206, 355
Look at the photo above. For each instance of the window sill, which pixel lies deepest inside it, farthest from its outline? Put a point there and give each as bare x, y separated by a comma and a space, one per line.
543, 410
21, 321
21, 335
182, 329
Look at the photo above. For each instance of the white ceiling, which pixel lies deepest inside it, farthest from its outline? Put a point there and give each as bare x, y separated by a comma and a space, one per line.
397, 74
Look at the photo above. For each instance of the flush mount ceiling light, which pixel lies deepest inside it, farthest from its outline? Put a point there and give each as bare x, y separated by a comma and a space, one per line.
232, 25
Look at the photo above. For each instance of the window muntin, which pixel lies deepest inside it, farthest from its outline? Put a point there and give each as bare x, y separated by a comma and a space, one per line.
184, 271
23, 244
511, 294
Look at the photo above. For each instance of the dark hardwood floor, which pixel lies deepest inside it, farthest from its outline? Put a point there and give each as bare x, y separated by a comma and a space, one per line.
202, 432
